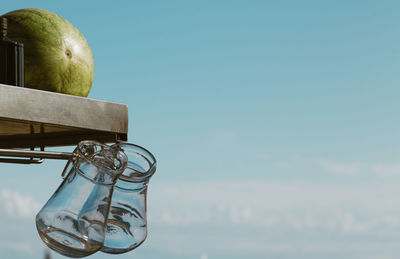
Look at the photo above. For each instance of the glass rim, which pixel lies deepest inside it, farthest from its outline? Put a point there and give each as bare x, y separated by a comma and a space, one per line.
143, 175
83, 156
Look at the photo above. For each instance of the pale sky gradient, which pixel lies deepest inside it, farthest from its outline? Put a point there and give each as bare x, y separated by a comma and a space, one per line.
275, 125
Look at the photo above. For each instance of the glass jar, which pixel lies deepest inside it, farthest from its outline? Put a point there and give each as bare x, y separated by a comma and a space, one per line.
127, 220
73, 220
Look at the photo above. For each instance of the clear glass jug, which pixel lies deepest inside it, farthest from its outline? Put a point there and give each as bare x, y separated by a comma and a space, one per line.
73, 220
127, 220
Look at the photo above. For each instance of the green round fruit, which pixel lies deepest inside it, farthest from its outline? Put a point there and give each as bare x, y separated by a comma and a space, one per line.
57, 56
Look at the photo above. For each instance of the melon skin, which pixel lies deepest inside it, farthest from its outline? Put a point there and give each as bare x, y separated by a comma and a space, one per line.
57, 56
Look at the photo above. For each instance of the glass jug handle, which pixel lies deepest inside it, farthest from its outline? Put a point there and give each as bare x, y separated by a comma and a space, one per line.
67, 165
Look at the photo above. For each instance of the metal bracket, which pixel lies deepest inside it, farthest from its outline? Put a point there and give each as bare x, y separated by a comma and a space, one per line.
31, 160
35, 156
32, 156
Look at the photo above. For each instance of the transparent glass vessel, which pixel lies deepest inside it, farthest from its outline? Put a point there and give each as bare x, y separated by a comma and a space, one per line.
127, 220
73, 220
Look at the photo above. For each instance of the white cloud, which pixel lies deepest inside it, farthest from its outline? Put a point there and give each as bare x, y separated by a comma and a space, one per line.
386, 170
18, 205
340, 167
383, 171
260, 217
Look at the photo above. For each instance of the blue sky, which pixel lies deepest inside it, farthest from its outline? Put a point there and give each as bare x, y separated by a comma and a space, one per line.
275, 126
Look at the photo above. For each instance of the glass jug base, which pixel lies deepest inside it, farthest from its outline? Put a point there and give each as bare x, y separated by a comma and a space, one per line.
117, 240
67, 244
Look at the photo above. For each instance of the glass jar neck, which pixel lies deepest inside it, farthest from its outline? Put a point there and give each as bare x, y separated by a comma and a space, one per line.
98, 162
131, 186
95, 174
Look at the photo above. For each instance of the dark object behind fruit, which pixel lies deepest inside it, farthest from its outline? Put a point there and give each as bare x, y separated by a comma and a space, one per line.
11, 58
